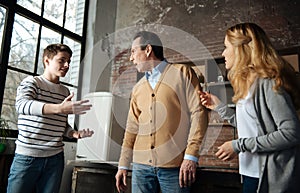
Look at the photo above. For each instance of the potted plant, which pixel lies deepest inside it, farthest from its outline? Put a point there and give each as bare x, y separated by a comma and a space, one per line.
4, 132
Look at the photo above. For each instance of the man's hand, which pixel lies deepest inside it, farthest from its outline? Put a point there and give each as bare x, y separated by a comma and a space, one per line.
187, 173
121, 180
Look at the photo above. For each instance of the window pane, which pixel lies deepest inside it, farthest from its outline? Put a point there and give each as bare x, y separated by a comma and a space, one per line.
34, 6
13, 80
53, 11
72, 76
75, 15
2, 23
23, 44
48, 37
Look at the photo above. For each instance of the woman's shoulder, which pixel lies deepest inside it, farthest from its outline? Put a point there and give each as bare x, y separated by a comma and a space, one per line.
265, 83
265, 88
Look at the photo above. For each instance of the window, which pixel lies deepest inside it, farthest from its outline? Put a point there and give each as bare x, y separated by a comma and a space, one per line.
26, 28
2, 21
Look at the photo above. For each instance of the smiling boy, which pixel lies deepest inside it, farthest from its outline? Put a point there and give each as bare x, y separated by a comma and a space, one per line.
43, 105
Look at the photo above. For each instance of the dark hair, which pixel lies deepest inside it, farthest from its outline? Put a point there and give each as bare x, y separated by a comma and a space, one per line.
51, 50
153, 40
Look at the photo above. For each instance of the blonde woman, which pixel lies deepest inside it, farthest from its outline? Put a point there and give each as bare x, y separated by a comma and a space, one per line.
266, 96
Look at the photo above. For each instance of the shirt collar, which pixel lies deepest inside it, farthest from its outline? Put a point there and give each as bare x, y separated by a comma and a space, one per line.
157, 69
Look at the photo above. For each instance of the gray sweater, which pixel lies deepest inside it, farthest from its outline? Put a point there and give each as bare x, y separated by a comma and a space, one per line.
278, 141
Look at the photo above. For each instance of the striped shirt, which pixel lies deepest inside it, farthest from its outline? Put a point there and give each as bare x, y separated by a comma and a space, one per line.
40, 135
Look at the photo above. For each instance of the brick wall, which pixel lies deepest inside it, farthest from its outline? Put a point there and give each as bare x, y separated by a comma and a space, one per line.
216, 136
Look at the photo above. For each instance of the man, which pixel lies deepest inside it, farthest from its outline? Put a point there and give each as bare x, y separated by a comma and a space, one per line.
43, 105
165, 125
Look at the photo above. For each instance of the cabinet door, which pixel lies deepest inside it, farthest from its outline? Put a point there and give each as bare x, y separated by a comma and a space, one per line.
87, 180
95, 180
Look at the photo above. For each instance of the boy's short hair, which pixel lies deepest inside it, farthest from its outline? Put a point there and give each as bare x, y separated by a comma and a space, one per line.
51, 50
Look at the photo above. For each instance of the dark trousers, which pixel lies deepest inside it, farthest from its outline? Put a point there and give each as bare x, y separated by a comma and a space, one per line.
250, 184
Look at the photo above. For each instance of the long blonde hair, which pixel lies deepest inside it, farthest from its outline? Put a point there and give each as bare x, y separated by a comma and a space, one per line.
255, 54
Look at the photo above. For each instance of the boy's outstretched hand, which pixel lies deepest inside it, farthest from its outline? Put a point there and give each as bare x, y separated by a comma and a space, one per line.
74, 107
68, 107
82, 133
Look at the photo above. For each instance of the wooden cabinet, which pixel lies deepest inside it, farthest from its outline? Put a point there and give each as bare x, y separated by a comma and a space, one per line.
95, 178
216, 181
100, 179
87, 180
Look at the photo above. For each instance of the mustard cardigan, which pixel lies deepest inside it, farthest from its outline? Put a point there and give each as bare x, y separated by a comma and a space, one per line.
166, 122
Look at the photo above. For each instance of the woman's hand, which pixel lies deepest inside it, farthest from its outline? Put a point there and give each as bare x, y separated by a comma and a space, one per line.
208, 100
226, 151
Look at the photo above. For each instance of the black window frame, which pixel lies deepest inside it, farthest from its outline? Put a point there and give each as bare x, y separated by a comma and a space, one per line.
12, 8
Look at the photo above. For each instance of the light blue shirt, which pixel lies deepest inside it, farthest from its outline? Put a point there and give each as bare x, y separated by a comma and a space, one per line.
154, 76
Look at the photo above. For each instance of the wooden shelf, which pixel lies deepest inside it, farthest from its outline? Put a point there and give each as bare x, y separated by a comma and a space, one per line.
218, 83
231, 105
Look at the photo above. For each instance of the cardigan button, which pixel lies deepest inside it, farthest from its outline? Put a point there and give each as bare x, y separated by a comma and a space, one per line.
153, 95
152, 146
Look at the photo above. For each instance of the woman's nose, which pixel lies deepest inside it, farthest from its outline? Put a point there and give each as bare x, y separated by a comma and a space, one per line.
131, 58
222, 53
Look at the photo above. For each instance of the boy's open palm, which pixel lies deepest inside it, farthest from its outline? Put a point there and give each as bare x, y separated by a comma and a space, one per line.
74, 107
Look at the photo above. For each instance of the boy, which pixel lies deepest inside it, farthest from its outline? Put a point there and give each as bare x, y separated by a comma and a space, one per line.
43, 105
